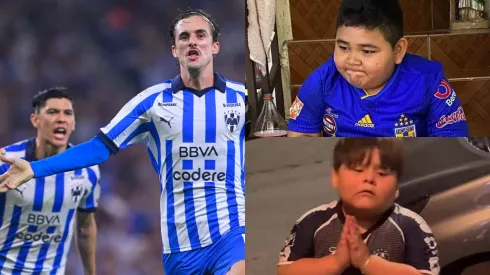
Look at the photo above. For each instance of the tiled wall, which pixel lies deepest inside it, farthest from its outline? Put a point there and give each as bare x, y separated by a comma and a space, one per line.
464, 54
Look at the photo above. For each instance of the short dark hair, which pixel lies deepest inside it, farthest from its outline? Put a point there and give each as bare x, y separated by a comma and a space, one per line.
385, 15
353, 151
193, 12
39, 99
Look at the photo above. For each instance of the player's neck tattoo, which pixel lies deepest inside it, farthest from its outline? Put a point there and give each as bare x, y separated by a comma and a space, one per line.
46, 150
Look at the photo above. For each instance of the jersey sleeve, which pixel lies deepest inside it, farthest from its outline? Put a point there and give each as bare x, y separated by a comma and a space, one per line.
83, 155
420, 246
306, 112
300, 242
90, 200
132, 124
446, 116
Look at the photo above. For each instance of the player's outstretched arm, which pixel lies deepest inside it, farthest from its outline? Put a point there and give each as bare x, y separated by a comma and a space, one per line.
84, 155
87, 241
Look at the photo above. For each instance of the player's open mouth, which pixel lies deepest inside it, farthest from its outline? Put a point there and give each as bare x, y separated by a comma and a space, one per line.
193, 54
59, 132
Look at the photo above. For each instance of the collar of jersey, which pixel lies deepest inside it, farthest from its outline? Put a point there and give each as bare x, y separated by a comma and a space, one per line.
31, 150
387, 87
219, 84
382, 219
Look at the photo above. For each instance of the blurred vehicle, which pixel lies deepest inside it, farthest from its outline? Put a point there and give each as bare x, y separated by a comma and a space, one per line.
450, 188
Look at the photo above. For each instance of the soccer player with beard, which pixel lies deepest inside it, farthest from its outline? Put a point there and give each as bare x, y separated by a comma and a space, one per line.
193, 126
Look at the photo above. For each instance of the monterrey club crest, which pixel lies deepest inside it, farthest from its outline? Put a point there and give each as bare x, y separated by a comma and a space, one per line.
382, 253
232, 120
76, 192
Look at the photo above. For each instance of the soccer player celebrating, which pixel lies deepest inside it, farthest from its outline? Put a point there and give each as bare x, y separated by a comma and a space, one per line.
37, 218
372, 87
194, 129
364, 232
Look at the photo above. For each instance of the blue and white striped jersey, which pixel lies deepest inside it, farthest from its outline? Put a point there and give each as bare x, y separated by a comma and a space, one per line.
36, 223
195, 142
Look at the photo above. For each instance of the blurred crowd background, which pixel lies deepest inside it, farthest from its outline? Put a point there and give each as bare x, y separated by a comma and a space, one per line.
105, 52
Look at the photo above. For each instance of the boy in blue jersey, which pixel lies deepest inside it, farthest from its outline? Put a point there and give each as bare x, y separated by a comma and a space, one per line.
372, 87
37, 218
194, 129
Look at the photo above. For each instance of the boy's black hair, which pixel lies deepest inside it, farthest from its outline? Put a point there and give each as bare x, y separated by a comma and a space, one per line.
39, 100
385, 15
352, 152
192, 12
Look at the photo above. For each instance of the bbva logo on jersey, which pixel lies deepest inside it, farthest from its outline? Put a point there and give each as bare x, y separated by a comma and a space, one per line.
232, 120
